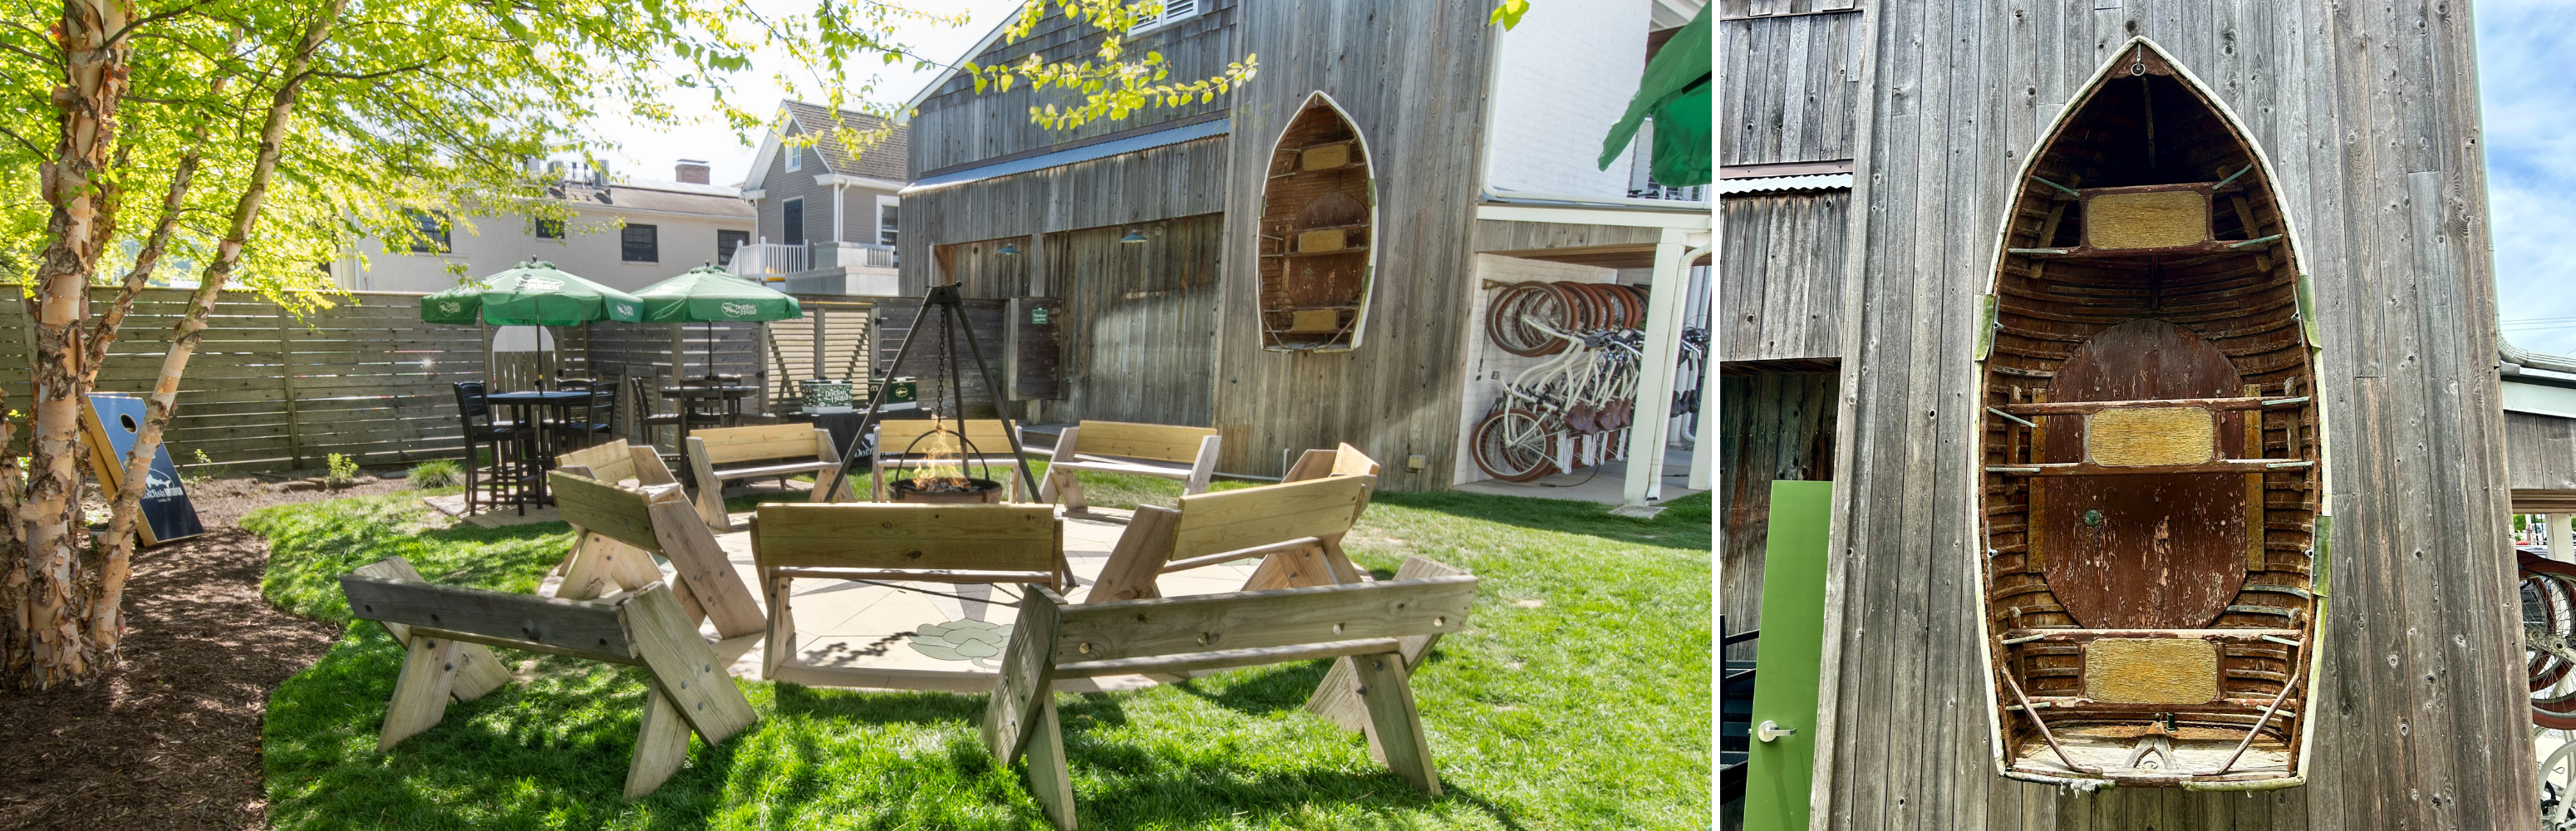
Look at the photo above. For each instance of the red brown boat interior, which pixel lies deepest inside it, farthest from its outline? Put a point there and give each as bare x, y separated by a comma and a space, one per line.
1317, 228
2150, 450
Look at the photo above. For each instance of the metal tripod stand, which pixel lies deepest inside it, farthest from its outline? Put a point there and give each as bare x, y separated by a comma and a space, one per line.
945, 299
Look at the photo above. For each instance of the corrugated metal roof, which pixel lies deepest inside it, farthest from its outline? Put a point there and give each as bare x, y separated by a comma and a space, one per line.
1130, 144
1824, 181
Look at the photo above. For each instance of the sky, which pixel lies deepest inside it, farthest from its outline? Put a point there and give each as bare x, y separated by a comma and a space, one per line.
649, 153
2530, 111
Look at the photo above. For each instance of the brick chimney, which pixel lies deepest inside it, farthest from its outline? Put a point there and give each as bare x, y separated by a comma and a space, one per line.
693, 171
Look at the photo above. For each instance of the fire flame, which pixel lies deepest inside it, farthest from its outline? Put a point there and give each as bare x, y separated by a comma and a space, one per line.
943, 468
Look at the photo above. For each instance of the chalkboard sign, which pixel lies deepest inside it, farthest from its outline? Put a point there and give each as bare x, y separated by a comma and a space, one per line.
111, 425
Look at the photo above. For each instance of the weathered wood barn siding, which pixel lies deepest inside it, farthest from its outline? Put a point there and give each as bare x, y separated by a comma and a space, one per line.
2541, 452
961, 128
1165, 182
1780, 267
1139, 328
1803, 63
2369, 114
1771, 426
1412, 76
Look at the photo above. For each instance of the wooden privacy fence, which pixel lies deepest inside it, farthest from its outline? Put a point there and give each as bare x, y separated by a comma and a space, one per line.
368, 379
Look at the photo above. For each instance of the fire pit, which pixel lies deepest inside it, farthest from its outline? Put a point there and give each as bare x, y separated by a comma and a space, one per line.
949, 491
943, 477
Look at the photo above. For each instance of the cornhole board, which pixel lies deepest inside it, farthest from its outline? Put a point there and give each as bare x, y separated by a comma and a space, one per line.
110, 425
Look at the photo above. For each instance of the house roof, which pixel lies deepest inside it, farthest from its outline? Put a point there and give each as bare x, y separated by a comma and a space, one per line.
884, 161
669, 197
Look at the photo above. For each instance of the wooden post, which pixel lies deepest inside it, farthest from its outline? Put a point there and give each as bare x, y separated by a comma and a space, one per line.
1654, 402
286, 382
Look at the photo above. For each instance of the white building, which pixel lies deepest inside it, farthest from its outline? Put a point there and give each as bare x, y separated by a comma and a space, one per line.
626, 234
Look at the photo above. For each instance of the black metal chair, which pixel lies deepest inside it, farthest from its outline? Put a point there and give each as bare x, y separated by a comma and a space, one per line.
597, 418
496, 482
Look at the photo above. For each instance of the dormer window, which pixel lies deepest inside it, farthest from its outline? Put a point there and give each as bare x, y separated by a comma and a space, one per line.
795, 157
1174, 11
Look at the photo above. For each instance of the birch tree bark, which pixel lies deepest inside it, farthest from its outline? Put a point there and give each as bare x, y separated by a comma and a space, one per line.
107, 616
80, 188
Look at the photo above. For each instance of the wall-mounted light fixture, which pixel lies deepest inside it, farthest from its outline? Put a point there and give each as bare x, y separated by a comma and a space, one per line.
1009, 250
1133, 235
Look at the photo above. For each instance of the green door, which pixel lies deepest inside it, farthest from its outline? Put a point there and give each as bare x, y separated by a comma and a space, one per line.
1792, 652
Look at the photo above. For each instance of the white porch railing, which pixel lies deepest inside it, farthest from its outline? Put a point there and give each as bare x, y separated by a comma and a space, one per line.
764, 260
759, 260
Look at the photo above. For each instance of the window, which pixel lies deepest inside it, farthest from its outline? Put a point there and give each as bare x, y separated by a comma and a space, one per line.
726, 242
549, 229
795, 157
1174, 11
428, 231
640, 244
885, 224
794, 231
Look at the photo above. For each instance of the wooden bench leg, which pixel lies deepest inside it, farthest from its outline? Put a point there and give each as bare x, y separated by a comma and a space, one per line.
1393, 721
711, 507
421, 691
660, 747
1302, 567
780, 642
1048, 778
702, 564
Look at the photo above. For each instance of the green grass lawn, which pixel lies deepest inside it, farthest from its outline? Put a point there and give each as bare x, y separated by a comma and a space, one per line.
1577, 698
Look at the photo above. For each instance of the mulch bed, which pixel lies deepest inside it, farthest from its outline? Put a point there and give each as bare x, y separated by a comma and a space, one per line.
170, 739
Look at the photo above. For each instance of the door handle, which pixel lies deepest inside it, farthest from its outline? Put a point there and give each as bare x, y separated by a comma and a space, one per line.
1771, 730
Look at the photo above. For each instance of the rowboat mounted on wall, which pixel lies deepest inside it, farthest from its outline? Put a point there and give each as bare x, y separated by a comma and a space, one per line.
2150, 504
1318, 232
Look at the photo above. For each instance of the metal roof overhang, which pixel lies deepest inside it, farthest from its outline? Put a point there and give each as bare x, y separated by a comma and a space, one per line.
1130, 144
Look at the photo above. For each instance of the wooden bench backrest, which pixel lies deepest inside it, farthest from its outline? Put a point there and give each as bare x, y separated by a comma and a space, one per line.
1228, 520
1349, 461
573, 627
1160, 442
986, 434
610, 462
726, 445
958, 537
1255, 620
1342, 461
617, 513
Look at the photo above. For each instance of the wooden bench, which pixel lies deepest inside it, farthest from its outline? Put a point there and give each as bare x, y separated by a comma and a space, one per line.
615, 462
779, 450
1162, 636
445, 631
618, 530
962, 544
991, 439
1296, 527
1184, 453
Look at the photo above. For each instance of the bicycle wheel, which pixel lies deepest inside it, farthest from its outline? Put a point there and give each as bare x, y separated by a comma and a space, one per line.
1515, 445
1503, 319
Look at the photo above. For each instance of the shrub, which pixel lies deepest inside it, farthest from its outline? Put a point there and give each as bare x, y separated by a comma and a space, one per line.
439, 474
343, 468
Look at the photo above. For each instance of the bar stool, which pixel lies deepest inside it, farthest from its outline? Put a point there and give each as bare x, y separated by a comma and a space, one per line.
598, 417
481, 431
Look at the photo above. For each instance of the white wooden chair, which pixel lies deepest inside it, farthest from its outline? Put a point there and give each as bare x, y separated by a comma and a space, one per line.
1184, 453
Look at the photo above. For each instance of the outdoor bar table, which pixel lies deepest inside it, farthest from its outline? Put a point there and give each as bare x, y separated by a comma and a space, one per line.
535, 412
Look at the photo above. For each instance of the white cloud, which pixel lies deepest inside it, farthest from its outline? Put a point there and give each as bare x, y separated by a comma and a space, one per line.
2530, 126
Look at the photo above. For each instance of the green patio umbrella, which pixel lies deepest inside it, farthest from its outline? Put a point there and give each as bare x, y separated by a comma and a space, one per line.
534, 293
1678, 91
710, 295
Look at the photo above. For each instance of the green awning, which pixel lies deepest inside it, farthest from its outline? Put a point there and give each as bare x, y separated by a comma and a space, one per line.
1679, 92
